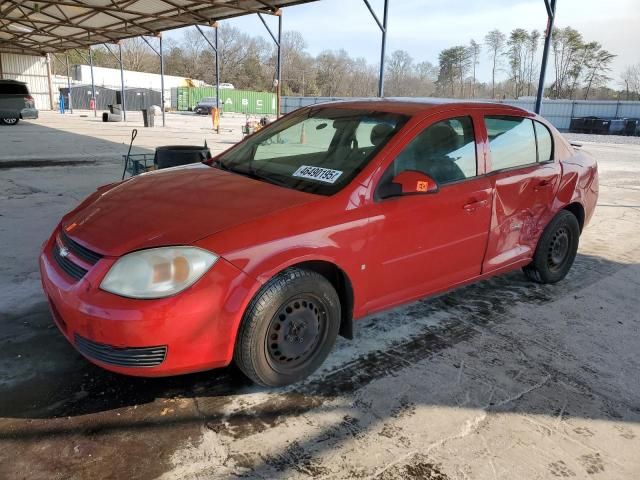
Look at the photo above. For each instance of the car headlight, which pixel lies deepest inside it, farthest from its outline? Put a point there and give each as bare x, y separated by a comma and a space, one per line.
157, 272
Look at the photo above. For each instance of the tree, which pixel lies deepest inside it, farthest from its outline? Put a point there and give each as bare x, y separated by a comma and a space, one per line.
474, 55
297, 65
332, 72
532, 50
630, 80
495, 41
517, 55
454, 64
399, 72
598, 66
567, 45
137, 56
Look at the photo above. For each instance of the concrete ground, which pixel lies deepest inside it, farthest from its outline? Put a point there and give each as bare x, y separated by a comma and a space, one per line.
504, 379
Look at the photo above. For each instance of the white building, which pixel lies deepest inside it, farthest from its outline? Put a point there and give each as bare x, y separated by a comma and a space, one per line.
110, 78
33, 70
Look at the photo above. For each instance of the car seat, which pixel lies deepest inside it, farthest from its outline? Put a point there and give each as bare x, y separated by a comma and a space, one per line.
431, 154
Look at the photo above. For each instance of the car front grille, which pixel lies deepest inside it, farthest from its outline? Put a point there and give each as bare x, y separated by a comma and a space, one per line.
121, 356
67, 266
80, 252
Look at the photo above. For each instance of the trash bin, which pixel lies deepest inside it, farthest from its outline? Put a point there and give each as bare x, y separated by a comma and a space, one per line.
148, 117
174, 155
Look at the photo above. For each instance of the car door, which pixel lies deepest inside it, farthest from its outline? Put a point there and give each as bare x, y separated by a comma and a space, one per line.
525, 178
424, 243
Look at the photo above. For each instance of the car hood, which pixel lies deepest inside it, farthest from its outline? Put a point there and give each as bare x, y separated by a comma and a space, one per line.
173, 207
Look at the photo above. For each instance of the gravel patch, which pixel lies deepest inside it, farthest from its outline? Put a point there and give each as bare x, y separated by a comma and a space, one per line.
613, 139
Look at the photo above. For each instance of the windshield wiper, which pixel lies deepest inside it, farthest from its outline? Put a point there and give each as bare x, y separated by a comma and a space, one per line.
251, 173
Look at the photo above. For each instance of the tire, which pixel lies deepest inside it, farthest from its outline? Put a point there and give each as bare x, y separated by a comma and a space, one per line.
556, 250
10, 121
288, 329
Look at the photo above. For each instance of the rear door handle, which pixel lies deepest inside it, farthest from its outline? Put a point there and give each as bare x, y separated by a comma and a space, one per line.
474, 205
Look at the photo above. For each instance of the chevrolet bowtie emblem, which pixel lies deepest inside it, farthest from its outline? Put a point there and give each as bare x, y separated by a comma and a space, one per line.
64, 252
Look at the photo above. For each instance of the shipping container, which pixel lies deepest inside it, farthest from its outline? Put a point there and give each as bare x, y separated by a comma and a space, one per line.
238, 101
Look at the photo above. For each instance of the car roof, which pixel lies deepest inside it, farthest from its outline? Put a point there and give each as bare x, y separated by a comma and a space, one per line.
413, 106
13, 81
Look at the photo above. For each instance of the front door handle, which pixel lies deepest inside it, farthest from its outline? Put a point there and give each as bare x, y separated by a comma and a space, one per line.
474, 205
542, 184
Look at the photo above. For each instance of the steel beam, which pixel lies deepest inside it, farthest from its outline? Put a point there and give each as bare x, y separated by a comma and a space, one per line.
69, 83
279, 87
93, 88
124, 107
93, 84
383, 47
214, 47
217, 75
278, 41
551, 15
161, 80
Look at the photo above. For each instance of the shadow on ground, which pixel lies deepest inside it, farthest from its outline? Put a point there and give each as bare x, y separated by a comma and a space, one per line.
52, 397
47, 378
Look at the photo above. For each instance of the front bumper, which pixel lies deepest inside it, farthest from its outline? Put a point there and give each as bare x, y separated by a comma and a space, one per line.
29, 113
192, 331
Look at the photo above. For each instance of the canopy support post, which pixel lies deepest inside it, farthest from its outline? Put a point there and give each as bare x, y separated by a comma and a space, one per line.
162, 81
551, 15
124, 107
69, 83
93, 85
383, 47
278, 42
214, 47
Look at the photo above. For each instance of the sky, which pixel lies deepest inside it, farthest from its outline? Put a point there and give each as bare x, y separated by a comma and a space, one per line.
425, 27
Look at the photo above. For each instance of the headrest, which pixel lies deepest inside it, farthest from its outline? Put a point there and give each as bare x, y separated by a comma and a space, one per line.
379, 133
440, 138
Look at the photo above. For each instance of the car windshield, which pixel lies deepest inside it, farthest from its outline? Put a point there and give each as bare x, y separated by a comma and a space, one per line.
319, 150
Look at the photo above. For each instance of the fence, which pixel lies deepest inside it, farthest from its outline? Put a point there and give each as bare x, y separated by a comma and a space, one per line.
558, 112
239, 101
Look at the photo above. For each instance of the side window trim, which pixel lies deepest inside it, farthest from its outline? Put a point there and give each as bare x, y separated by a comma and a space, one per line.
551, 139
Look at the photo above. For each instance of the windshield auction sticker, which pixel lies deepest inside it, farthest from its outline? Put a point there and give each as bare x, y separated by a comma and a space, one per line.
326, 175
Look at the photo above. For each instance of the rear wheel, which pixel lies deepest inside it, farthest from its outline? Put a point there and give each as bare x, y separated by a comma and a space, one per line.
556, 250
10, 121
288, 329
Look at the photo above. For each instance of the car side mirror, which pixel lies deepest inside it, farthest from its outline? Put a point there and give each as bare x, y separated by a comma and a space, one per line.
409, 182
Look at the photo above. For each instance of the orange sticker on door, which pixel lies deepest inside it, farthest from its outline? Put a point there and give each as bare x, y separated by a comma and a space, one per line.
421, 187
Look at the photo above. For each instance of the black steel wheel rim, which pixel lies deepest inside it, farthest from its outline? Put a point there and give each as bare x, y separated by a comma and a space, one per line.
559, 247
296, 332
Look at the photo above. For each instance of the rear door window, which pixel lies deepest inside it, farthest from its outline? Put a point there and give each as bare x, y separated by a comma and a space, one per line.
13, 89
512, 141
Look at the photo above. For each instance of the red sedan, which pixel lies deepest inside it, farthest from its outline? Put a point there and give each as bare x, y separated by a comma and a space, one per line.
332, 213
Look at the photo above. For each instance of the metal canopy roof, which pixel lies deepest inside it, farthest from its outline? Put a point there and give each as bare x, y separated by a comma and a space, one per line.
41, 26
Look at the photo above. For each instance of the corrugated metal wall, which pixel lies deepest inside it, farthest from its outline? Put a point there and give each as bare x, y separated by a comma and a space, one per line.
239, 101
29, 69
558, 112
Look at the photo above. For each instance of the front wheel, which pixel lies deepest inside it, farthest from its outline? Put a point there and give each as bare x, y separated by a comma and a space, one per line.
10, 121
556, 250
288, 329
